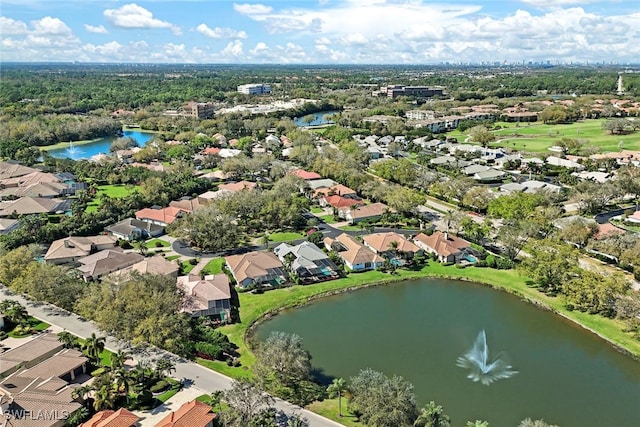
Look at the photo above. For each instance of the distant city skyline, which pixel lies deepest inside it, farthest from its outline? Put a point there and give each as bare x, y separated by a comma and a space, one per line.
322, 31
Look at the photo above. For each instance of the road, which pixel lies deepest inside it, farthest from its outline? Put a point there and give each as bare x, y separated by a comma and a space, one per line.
191, 372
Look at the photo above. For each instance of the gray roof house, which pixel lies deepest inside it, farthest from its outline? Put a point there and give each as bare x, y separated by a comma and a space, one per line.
490, 175
307, 261
134, 229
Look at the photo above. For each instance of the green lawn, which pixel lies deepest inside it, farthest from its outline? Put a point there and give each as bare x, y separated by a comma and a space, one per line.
317, 210
153, 243
172, 257
214, 266
35, 325
187, 267
538, 137
285, 236
351, 228
162, 398
328, 219
328, 408
254, 306
116, 191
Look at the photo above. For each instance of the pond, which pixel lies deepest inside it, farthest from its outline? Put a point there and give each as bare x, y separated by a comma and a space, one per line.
99, 146
419, 329
315, 119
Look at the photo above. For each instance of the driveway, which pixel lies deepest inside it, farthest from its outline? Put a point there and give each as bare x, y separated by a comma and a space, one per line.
200, 378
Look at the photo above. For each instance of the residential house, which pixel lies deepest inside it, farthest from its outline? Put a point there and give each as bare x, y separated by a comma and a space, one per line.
35, 380
599, 177
607, 230
474, 169
339, 189
33, 205
237, 186
391, 245
105, 262
108, 418
70, 249
490, 175
157, 265
257, 269
307, 262
160, 216
339, 202
134, 229
354, 255
191, 414
12, 169
8, 225
565, 163
533, 186
314, 184
307, 176
29, 354
187, 204
372, 212
206, 296
447, 247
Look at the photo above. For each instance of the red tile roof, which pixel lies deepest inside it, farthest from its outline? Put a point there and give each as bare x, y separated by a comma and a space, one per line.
305, 175
108, 418
211, 150
165, 215
192, 414
443, 243
341, 202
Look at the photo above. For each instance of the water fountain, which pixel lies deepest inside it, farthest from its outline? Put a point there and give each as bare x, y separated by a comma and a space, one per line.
72, 151
481, 369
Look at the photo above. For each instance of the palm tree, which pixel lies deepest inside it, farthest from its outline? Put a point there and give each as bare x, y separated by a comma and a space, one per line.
14, 311
78, 416
123, 381
335, 389
164, 367
67, 339
216, 399
81, 392
104, 398
118, 359
93, 346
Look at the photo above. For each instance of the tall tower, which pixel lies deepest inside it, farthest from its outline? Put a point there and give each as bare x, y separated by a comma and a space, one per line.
620, 87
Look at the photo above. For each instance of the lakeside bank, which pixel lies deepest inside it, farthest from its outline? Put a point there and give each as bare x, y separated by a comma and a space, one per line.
255, 309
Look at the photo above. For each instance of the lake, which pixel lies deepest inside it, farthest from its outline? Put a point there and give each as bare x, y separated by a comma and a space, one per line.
418, 329
319, 118
99, 146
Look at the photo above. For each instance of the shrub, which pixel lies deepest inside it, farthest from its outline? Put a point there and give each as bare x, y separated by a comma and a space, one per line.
160, 386
636, 273
504, 263
159, 244
3, 335
193, 261
491, 261
208, 351
126, 245
460, 266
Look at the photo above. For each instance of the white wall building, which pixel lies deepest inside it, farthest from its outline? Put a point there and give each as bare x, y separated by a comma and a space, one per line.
254, 89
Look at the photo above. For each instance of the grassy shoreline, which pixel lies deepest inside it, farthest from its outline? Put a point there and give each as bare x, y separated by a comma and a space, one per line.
89, 141
255, 309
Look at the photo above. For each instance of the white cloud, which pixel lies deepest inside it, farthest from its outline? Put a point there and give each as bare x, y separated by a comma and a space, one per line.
132, 16
12, 27
252, 9
233, 49
100, 29
51, 26
221, 33
556, 3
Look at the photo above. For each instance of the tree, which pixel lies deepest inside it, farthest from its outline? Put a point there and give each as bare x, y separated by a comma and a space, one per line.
595, 293
93, 346
76, 417
118, 359
282, 356
164, 367
481, 135
337, 387
550, 264
67, 339
578, 231
208, 229
82, 392
570, 145
104, 398
432, 415
246, 401
14, 311
477, 423
216, 399
13, 263
382, 401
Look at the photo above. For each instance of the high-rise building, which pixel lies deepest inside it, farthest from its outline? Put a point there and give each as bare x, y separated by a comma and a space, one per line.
201, 110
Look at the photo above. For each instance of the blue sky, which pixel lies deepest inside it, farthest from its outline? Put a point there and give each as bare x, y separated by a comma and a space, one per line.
320, 31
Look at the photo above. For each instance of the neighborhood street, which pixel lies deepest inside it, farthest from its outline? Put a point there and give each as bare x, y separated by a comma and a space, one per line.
190, 372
